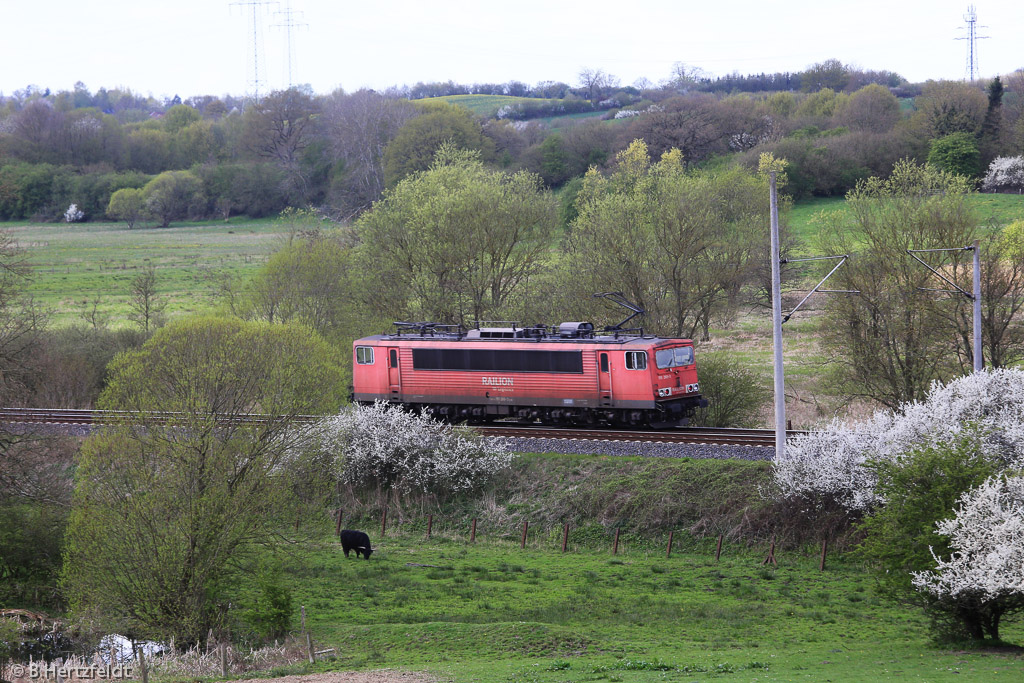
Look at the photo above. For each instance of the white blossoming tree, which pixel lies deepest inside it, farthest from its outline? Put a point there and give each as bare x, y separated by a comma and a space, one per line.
831, 464
1005, 174
983, 580
73, 214
386, 447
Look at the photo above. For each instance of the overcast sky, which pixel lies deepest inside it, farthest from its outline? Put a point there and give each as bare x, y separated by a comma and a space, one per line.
198, 47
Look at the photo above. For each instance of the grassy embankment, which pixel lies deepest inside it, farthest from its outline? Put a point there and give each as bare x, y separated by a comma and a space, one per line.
491, 611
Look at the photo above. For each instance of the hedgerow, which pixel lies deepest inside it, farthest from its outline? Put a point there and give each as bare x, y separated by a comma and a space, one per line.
831, 463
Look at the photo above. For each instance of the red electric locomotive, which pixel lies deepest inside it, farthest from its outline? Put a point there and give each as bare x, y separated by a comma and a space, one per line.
565, 375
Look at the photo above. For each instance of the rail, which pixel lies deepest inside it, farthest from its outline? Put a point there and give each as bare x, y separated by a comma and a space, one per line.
692, 435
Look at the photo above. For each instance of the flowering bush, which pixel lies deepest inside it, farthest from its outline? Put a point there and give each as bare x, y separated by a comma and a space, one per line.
73, 214
831, 463
385, 446
983, 580
1004, 173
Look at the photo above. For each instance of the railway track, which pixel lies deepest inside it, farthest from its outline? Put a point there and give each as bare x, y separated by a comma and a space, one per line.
715, 437
695, 435
68, 416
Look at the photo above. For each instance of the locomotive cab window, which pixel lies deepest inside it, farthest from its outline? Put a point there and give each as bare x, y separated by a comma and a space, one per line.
604, 362
393, 358
364, 355
636, 360
673, 358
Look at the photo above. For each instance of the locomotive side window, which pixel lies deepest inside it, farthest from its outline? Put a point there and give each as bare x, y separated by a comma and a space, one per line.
364, 355
673, 358
497, 360
393, 362
604, 362
636, 360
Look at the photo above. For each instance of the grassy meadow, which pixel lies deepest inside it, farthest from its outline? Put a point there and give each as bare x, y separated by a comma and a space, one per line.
77, 263
808, 217
490, 611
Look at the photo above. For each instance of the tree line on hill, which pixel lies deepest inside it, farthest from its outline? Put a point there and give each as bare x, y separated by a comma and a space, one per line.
119, 156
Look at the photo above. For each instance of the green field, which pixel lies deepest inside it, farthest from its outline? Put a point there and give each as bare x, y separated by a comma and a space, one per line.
72, 264
490, 611
808, 217
487, 106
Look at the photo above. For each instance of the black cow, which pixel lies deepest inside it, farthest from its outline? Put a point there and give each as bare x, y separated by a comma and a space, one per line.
356, 540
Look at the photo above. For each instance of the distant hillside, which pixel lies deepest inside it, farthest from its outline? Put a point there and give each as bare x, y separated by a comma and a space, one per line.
520, 108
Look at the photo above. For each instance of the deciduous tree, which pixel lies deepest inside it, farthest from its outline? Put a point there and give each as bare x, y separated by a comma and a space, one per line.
359, 127
414, 146
127, 205
678, 244
982, 582
144, 301
280, 128
957, 153
172, 195
162, 512
831, 73
889, 343
456, 243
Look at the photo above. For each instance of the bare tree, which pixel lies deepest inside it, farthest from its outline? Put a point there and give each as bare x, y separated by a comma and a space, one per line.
595, 82
694, 125
1002, 302
146, 306
280, 127
359, 127
894, 339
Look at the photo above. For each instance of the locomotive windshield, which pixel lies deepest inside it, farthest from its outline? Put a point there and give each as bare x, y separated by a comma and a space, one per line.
673, 358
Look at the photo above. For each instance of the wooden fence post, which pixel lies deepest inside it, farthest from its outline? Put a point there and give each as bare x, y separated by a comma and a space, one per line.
668, 551
615, 548
824, 549
718, 550
383, 522
771, 555
472, 533
565, 537
142, 663
337, 526
430, 524
526, 525
223, 659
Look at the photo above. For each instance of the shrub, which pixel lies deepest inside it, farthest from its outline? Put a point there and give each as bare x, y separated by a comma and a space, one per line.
270, 615
73, 214
920, 488
957, 153
831, 463
1005, 174
386, 447
735, 394
983, 579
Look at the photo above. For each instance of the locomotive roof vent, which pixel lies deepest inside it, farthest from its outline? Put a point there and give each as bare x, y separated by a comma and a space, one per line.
577, 330
497, 333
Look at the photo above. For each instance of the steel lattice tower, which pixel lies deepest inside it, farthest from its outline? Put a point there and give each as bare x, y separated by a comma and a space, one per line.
972, 39
288, 23
256, 7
